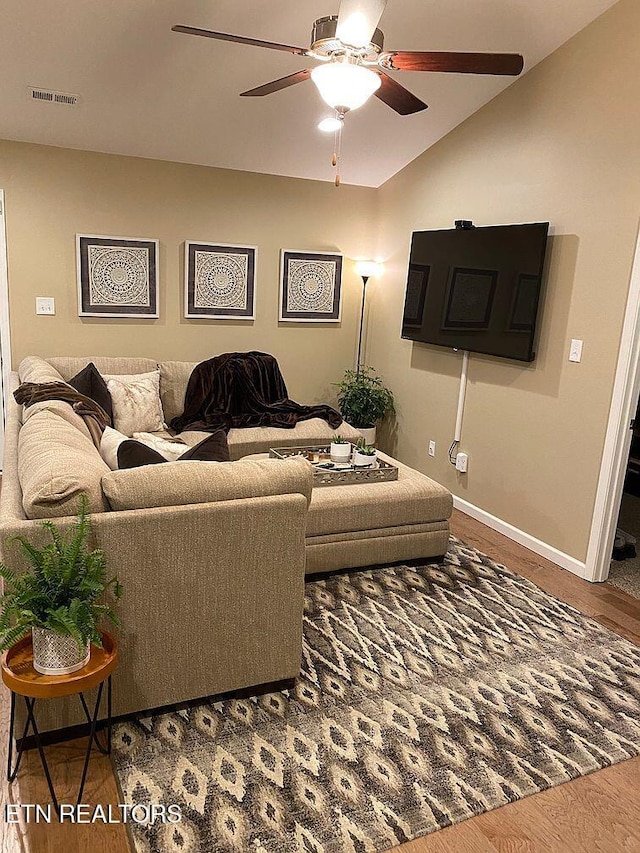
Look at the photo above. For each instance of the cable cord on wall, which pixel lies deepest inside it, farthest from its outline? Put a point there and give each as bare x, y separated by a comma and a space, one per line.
462, 393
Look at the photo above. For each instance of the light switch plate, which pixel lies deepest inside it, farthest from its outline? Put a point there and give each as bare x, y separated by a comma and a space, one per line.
575, 353
45, 305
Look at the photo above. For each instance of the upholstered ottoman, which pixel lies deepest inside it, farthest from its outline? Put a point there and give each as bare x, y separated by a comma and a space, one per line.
370, 523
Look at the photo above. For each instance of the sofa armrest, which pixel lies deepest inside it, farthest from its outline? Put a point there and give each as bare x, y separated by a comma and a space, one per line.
212, 600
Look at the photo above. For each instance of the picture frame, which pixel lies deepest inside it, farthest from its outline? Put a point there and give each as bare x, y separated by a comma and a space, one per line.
310, 286
219, 281
117, 277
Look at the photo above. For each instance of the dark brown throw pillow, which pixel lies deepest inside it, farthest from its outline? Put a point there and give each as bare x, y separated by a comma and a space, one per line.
133, 454
90, 383
214, 448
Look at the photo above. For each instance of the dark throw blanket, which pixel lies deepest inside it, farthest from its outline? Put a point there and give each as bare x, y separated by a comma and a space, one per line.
94, 416
243, 389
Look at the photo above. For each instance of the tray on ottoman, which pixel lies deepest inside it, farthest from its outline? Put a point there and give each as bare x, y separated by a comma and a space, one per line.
338, 474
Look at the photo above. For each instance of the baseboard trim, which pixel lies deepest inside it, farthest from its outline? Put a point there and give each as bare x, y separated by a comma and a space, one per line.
536, 545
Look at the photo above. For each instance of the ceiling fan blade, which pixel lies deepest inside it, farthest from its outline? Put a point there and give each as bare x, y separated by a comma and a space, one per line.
509, 64
398, 98
357, 21
276, 85
210, 34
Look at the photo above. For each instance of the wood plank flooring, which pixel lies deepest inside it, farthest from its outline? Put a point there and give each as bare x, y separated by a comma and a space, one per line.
593, 814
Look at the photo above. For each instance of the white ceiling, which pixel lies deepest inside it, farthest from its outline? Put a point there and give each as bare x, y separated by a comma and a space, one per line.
149, 92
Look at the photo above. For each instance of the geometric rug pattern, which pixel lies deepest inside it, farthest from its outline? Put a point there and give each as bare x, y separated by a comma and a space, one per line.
427, 695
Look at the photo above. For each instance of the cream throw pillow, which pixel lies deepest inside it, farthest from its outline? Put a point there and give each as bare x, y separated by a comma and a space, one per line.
109, 444
171, 450
136, 402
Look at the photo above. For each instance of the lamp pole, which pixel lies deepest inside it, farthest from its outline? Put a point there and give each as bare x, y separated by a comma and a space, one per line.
365, 279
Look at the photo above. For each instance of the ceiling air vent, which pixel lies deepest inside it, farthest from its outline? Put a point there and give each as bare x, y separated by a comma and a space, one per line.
53, 97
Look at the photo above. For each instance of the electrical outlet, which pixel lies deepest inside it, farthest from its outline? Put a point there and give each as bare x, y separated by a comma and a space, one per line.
432, 448
45, 305
462, 462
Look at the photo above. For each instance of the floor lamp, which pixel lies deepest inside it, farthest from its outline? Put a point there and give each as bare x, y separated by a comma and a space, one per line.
366, 270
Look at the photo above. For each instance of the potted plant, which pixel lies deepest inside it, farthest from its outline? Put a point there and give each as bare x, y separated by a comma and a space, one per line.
364, 456
364, 400
58, 600
340, 449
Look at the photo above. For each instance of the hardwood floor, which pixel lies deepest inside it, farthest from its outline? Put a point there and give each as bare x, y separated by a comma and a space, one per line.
593, 814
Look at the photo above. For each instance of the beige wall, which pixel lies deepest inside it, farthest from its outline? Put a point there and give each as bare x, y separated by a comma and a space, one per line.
52, 194
561, 144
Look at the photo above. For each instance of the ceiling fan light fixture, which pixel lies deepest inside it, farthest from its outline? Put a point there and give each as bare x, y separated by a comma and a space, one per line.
345, 84
330, 124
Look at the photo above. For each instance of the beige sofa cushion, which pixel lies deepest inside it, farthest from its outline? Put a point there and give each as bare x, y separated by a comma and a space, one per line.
243, 442
411, 499
174, 378
36, 369
56, 463
62, 410
70, 365
178, 483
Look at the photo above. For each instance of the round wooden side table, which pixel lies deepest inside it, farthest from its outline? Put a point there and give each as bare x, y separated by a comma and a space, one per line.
21, 678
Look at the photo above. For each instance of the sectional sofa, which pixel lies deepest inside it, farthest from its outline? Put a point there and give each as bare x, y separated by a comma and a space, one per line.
212, 557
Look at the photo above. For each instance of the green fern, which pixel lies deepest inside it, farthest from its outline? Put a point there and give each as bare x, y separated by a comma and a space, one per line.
62, 589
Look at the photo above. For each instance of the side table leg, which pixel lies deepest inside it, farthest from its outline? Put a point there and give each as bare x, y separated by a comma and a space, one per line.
109, 716
12, 773
92, 738
105, 750
30, 717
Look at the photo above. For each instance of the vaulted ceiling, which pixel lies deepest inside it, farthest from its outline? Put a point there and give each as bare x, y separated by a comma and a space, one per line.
148, 92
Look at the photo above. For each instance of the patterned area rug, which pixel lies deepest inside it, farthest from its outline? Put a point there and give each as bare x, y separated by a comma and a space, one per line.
427, 695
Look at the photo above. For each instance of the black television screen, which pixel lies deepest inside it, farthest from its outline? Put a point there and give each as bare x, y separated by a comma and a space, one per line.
476, 289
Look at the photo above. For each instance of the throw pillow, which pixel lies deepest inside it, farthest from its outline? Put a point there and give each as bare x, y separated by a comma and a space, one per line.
134, 454
91, 383
211, 449
171, 450
109, 444
120, 452
136, 402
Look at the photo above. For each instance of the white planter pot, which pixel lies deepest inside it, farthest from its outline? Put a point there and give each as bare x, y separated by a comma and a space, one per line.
369, 435
57, 654
340, 452
360, 460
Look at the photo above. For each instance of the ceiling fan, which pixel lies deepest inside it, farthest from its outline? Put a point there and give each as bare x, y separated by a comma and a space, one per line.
351, 47
353, 63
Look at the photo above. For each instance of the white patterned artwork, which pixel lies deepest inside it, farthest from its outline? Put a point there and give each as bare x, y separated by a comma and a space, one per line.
219, 281
310, 287
117, 276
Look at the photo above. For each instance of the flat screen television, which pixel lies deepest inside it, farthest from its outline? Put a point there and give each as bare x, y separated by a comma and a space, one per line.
476, 289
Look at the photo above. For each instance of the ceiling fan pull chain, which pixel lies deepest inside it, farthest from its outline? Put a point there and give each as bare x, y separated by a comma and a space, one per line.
338, 150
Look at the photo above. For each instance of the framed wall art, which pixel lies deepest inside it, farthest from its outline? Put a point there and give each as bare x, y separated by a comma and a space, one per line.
219, 281
117, 276
310, 287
